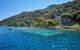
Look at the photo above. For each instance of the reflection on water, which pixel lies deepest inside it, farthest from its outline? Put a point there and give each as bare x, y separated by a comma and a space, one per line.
18, 39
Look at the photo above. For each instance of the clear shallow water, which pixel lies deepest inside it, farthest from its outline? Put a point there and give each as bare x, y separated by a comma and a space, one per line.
19, 39
45, 32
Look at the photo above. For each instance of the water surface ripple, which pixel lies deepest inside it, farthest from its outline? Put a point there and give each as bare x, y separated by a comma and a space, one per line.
17, 39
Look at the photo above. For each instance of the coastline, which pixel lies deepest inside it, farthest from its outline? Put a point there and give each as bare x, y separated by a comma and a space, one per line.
70, 28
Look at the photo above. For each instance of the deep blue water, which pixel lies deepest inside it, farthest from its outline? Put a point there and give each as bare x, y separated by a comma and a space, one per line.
31, 39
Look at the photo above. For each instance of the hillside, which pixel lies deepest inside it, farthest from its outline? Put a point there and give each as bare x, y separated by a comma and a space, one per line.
48, 17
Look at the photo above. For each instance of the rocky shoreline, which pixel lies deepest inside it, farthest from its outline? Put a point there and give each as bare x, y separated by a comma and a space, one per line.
71, 28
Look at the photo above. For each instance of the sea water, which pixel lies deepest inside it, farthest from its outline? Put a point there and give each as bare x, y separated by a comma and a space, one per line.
20, 38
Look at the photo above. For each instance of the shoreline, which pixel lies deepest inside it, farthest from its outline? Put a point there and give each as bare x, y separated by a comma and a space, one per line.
70, 28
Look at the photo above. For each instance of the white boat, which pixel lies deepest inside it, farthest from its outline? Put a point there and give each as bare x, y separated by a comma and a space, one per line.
11, 28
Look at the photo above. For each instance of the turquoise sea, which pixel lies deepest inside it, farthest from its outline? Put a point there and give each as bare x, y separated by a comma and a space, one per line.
22, 38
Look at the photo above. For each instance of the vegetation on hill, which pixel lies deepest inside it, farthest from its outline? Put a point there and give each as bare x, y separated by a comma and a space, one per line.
48, 17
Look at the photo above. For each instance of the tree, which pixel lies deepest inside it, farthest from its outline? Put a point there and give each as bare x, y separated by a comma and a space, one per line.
76, 15
34, 24
77, 0
53, 22
67, 15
